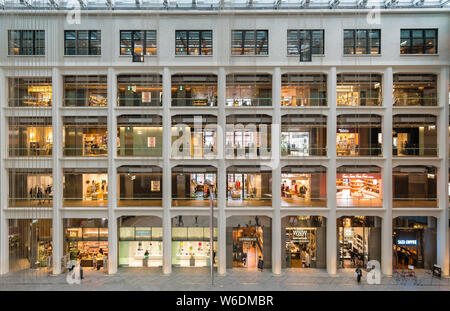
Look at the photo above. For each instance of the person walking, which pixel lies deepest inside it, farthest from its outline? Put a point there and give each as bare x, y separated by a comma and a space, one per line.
358, 274
94, 262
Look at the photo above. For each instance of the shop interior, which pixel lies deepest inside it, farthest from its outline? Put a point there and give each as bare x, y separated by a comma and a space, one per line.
140, 186
194, 136
87, 241
189, 187
85, 140
359, 90
414, 186
303, 186
247, 246
249, 188
139, 90
358, 136
359, 240
30, 188
248, 90
140, 241
32, 139
415, 89
303, 90
414, 135
31, 92
30, 244
90, 91
191, 241
358, 189
85, 189
194, 90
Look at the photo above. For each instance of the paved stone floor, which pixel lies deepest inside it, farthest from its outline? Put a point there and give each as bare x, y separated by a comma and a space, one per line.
193, 279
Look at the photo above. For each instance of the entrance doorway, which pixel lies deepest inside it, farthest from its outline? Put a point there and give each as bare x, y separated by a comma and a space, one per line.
247, 246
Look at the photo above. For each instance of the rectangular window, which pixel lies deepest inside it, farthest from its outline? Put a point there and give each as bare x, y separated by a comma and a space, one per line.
82, 42
26, 42
418, 41
314, 37
193, 42
362, 41
138, 42
249, 42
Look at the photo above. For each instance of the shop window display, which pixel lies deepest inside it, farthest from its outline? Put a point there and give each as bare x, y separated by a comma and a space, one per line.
30, 92
85, 189
30, 137
359, 240
247, 246
194, 90
303, 90
194, 136
359, 135
358, 188
359, 90
139, 90
248, 189
140, 186
140, 246
32, 188
248, 90
86, 91
82, 138
415, 90
189, 187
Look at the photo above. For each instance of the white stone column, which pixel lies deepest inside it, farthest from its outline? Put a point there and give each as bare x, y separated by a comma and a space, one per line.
221, 175
167, 178
112, 173
331, 174
57, 238
276, 171
443, 244
386, 226
4, 230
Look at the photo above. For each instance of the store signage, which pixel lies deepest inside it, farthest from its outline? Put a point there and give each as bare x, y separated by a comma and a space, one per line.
406, 242
343, 130
354, 176
300, 234
248, 239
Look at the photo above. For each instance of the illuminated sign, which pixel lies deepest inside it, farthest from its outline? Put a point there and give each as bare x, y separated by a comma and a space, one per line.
361, 176
406, 242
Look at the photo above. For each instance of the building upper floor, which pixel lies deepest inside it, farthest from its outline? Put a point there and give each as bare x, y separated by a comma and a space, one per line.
237, 38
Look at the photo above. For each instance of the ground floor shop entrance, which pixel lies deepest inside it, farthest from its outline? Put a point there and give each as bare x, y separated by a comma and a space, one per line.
359, 240
247, 246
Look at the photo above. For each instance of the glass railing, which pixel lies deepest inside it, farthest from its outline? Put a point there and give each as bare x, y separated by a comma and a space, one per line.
415, 101
139, 152
359, 202
44, 201
92, 101
144, 201
194, 102
303, 152
414, 150
88, 152
192, 202
100, 200
303, 102
249, 202
289, 201
248, 102
414, 202
247, 152
137, 102
29, 103
360, 102
357, 151
31, 152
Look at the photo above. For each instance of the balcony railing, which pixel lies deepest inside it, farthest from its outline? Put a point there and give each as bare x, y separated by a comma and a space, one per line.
303, 152
357, 151
249, 202
303, 202
303, 101
30, 152
359, 202
139, 152
45, 201
90, 152
137, 102
147, 202
194, 102
247, 152
415, 101
192, 202
415, 151
249, 102
414, 202
101, 201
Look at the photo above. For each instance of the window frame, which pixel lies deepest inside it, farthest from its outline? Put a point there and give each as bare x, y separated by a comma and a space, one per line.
255, 38
90, 47
309, 33
368, 42
424, 44
144, 42
200, 39
35, 48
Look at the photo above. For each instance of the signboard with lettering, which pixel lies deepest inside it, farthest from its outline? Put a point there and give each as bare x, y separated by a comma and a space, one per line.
407, 242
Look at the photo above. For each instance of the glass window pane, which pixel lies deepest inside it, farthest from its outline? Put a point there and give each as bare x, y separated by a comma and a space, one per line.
206, 42
125, 43
349, 41
138, 42
262, 39
236, 42
317, 42
374, 41
249, 42
150, 44
181, 47
361, 42
292, 42
194, 42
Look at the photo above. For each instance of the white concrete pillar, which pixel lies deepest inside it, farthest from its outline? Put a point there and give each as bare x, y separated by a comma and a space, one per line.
442, 231
4, 230
57, 238
112, 173
167, 184
386, 229
221, 175
276, 171
331, 174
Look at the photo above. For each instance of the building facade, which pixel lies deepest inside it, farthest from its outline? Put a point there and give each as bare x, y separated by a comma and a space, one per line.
323, 134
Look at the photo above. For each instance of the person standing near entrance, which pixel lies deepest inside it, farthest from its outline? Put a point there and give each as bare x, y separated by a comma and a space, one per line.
358, 274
